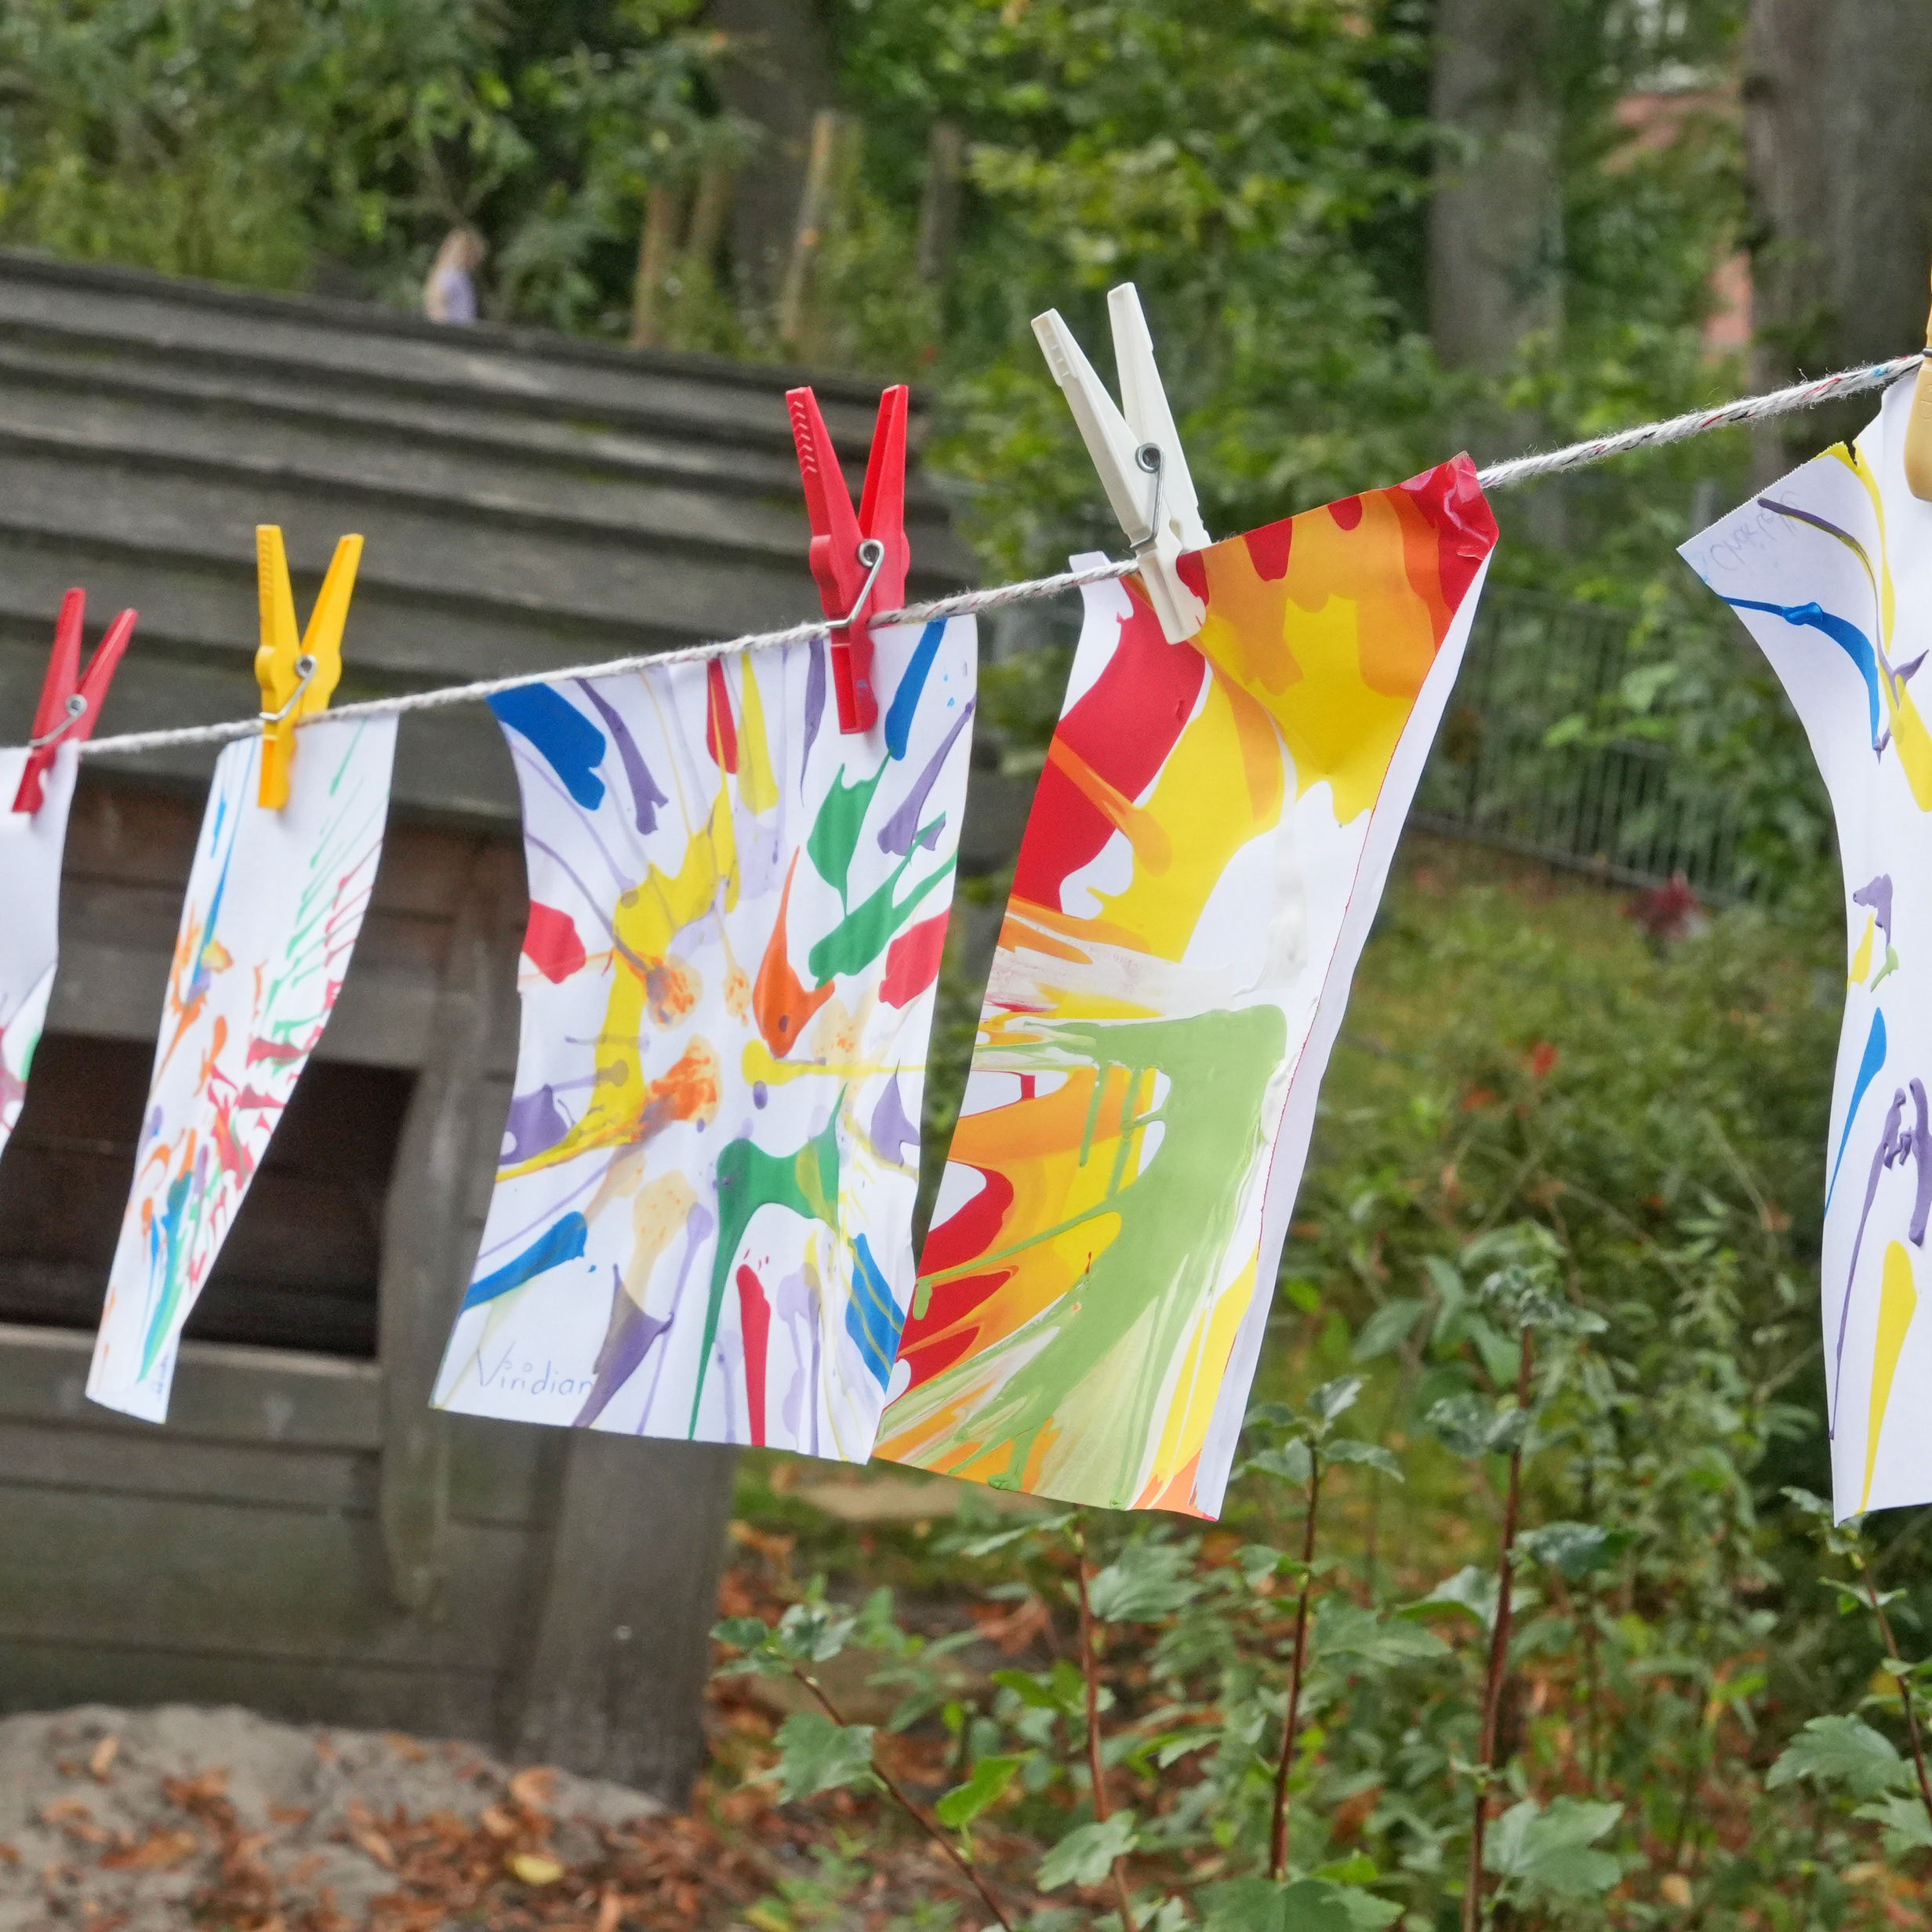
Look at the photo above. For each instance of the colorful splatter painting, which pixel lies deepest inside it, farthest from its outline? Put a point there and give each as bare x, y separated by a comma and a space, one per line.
274, 903
1204, 855
31, 846
701, 1226
1831, 571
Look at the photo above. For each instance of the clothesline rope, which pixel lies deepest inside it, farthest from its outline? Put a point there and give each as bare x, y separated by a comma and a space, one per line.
1497, 476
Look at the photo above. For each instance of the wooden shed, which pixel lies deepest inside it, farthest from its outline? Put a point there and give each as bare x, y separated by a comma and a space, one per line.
305, 1535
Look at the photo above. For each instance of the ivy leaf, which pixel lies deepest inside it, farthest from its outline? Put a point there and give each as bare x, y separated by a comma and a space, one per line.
1907, 1827
1841, 1751
1470, 1426
987, 1786
1553, 1850
991, 1543
1343, 1629
1346, 1449
1471, 1589
812, 1633
1290, 1462
1258, 1904
1148, 1581
1387, 1329
1085, 1854
1335, 1398
816, 1755
1574, 1548
1062, 1689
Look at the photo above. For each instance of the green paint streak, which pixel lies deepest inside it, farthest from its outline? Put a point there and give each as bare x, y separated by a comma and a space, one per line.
1142, 1293
864, 933
749, 1179
834, 835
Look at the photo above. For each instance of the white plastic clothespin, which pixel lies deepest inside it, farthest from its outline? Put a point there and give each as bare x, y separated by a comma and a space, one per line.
1137, 454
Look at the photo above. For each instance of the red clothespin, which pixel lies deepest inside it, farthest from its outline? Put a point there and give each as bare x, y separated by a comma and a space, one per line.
69, 704
860, 562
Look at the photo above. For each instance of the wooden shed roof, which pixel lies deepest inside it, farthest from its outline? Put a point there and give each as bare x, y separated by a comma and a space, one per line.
528, 501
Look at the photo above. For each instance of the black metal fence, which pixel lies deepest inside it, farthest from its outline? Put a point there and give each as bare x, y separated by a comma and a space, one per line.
1623, 811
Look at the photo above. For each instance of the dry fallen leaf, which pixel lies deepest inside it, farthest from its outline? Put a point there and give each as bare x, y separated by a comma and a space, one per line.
157, 1852
610, 1909
499, 1823
290, 1814
533, 1868
102, 1762
532, 1788
404, 1747
375, 1844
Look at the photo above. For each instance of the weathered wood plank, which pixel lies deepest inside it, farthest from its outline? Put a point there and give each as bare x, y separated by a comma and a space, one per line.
428, 1246
619, 1636
223, 1393
255, 1581
45, 1674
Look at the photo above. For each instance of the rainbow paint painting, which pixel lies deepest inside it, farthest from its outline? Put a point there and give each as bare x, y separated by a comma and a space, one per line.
701, 1226
1831, 571
30, 846
274, 904
1204, 857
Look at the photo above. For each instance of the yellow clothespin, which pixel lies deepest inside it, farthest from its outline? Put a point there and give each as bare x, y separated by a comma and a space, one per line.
298, 676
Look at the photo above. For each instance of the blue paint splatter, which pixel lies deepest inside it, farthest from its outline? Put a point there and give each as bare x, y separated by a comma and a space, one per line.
564, 1241
1842, 631
871, 1318
645, 795
1868, 1072
570, 744
898, 719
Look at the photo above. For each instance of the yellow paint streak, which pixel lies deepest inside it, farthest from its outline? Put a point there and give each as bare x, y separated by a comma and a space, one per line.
757, 784
1898, 1300
1861, 959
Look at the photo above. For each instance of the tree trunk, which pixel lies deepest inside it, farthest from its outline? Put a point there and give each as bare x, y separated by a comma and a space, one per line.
780, 73
1495, 224
1838, 148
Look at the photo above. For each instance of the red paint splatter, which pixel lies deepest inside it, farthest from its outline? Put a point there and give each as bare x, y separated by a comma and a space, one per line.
720, 732
911, 961
1452, 501
551, 944
1122, 728
754, 1323
1347, 511
933, 1340
1268, 550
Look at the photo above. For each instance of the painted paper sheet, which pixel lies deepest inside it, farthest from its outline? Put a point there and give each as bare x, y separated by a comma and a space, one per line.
31, 846
1205, 855
1831, 571
701, 1226
275, 900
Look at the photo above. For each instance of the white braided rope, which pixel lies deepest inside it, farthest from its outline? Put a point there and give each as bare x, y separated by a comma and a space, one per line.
1497, 476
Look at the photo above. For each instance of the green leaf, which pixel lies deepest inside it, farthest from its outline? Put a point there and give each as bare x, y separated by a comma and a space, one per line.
1471, 1589
1906, 1826
987, 1785
1346, 1449
1062, 1689
1085, 1854
1574, 1548
997, 1540
1387, 1329
816, 1755
1149, 1580
1258, 1904
1291, 1461
1553, 1850
1335, 1398
1471, 1425
1350, 1631
812, 1633
1841, 1751
742, 1633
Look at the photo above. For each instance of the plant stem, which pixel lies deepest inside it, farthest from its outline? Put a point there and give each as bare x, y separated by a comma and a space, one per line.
1904, 1683
1498, 1656
1278, 1842
1096, 1771
916, 1812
